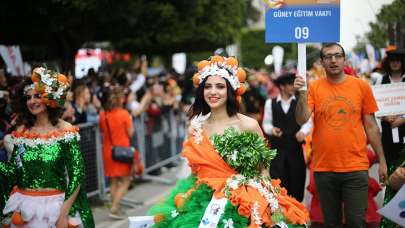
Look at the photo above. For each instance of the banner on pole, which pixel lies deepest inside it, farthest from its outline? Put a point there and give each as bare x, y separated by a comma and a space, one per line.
13, 59
395, 209
390, 99
302, 21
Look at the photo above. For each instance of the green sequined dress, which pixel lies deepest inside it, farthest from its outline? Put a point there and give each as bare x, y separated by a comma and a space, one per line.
390, 193
52, 161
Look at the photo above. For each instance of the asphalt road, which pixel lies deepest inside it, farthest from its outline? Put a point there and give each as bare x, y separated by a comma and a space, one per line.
146, 192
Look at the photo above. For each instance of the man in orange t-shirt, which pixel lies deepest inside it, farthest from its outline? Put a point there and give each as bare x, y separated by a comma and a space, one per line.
343, 108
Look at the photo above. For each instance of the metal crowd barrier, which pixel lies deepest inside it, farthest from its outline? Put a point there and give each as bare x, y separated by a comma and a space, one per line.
159, 141
91, 147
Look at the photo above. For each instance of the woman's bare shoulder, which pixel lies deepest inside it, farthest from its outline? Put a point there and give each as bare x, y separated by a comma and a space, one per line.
63, 124
247, 123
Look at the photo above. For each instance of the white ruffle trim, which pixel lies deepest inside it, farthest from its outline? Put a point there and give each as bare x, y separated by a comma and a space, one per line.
196, 126
68, 136
38, 211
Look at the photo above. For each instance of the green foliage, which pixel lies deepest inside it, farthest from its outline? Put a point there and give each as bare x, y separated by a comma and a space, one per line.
312, 56
195, 57
146, 26
246, 152
182, 25
254, 49
389, 15
191, 213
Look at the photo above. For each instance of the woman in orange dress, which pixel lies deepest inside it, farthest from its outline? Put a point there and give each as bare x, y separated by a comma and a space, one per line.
229, 159
116, 125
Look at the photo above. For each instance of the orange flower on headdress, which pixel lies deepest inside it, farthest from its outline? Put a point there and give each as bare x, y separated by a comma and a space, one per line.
226, 67
52, 86
63, 79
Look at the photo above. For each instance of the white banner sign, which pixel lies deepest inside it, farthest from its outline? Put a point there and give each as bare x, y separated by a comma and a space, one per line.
390, 99
278, 55
395, 209
13, 59
141, 222
213, 213
179, 62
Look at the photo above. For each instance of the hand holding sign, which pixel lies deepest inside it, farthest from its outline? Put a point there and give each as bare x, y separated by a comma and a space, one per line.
300, 83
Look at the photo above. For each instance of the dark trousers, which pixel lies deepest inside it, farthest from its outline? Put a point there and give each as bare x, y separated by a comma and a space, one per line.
338, 190
289, 166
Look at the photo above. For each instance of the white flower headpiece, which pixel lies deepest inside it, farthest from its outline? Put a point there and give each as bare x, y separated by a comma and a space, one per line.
52, 86
224, 67
223, 70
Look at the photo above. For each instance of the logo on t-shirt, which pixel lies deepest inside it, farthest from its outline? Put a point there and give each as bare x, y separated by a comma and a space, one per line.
337, 111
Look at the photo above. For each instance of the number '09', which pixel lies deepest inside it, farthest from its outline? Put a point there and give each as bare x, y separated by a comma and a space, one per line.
301, 33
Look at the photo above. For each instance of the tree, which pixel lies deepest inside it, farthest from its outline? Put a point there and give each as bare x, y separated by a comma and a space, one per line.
388, 29
57, 28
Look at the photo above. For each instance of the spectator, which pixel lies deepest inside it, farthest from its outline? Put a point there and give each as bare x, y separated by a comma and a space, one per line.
116, 124
3, 80
287, 137
394, 68
376, 75
4, 123
343, 108
81, 101
254, 98
139, 71
69, 112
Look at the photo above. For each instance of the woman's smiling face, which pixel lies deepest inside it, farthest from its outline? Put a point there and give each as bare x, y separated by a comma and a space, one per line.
34, 102
215, 92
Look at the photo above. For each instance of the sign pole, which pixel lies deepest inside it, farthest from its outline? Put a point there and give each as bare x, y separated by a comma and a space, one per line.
302, 63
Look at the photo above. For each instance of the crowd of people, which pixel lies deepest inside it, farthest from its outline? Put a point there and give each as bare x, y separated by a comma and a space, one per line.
324, 122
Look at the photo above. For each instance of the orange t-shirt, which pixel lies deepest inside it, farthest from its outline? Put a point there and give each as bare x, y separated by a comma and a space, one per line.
339, 138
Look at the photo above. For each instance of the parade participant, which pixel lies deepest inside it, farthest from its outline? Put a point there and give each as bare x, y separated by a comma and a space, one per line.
229, 185
82, 99
394, 68
287, 137
44, 182
343, 108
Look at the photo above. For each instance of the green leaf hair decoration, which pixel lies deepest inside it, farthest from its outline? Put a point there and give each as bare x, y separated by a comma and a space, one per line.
246, 152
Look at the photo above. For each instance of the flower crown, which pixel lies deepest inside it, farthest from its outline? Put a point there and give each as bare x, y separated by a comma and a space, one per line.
52, 86
224, 67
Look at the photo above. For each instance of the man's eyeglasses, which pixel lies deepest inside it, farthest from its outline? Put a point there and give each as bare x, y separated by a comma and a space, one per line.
329, 57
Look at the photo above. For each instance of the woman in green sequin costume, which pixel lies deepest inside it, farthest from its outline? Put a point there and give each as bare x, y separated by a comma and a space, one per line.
229, 158
43, 184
